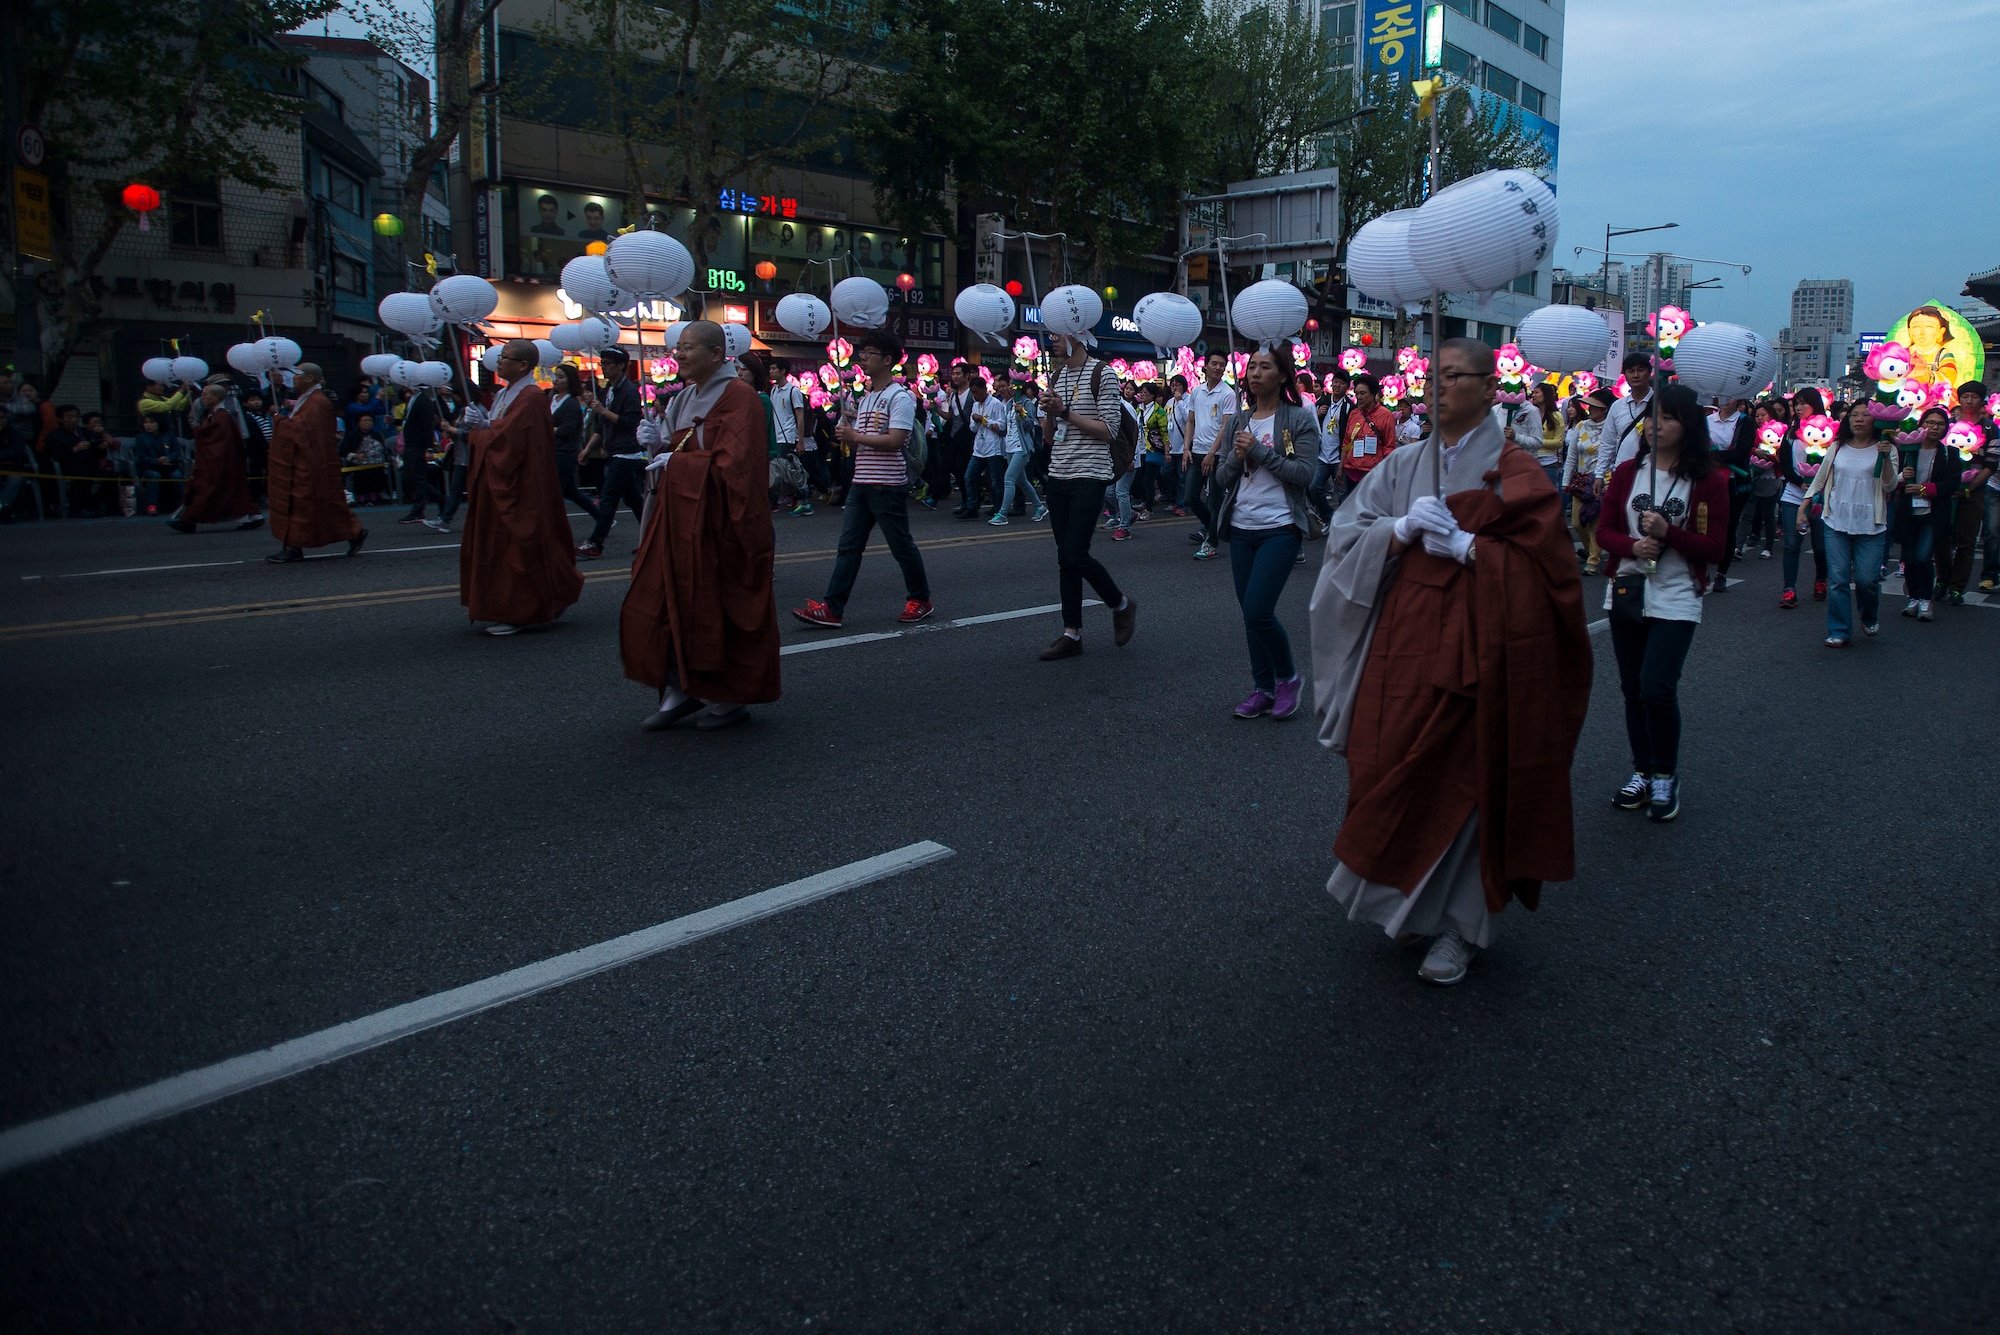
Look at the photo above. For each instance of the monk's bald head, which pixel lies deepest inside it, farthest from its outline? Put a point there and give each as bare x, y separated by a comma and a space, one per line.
1462, 385
702, 350
1472, 355
522, 350
706, 333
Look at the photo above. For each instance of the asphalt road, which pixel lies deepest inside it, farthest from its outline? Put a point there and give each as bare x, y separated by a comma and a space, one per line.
1118, 1064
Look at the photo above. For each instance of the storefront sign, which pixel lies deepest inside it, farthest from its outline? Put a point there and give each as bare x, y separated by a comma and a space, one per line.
1392, 31
31, 215
726, 280
771, 206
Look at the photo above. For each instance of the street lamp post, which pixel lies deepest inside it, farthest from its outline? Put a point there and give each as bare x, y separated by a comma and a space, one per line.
1604, 274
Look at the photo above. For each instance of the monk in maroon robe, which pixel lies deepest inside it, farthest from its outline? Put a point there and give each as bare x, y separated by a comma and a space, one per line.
308, 498
517, 564
219, 488
1452, 669
700, 621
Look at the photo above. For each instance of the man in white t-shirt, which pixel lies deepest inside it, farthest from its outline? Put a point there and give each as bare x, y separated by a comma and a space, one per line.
1329, 484
1208, 405
876, 429
1622, 425
788, 426
988, 470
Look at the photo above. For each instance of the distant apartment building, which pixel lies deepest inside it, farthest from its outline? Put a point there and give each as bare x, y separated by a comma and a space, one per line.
1818, 345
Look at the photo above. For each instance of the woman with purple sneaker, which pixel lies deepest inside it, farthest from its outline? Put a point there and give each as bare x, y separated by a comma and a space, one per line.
1262, 517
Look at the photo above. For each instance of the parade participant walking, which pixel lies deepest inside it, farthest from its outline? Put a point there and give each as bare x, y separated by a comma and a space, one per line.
1018, 416
308, 500
219, 488
1329, 484
1664, 522
1852, 490
986, 475
1921, 514
566, 416
421, 420
959, 437
1797, 469
1579, 475
1370, 432
1203, 411
1081, 413
880, 492
1977, 502
616, 412
1732, 434
789, 435
516, 565
1625, 423
1264, 476
1452, 669
700, 622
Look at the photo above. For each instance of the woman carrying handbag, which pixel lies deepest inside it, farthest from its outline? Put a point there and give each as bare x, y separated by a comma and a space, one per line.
1665, 523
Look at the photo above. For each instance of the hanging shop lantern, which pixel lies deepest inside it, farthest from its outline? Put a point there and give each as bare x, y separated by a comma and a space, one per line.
142, 200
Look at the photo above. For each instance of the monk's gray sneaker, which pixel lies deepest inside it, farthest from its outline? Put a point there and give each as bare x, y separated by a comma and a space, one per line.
1447, 959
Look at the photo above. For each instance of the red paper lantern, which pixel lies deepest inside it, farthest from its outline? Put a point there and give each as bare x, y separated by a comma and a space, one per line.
1013, 287
1368, 340
766, 270
905, 281
142, 200
1312, 326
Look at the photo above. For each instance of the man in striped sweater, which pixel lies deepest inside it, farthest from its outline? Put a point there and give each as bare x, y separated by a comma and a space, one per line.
1080, 416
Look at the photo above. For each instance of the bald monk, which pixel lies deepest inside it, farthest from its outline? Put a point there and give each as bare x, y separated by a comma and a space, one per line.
219, 488
1452, 669
308, 499
517, 564
700, 621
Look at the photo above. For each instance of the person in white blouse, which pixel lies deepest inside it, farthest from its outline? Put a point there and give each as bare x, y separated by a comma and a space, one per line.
1852, 490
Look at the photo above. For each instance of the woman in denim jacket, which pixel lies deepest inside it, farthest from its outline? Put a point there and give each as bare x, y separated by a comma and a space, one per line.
1263, 473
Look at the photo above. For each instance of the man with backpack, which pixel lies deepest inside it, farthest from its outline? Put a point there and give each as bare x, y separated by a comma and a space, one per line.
1091, 440
889, 456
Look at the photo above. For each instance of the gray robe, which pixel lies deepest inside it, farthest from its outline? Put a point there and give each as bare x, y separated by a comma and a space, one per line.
1353, 580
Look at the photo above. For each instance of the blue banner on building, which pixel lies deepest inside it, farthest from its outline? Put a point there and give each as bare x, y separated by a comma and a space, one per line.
1391, 34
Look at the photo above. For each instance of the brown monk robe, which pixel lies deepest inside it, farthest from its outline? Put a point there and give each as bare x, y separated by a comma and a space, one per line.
308, 499
1452, 669
700, 621
517, 564
219, 488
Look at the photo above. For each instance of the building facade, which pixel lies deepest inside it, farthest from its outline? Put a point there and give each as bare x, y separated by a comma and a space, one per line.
1818, 346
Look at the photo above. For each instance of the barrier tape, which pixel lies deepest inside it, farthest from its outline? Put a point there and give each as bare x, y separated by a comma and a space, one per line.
127, 478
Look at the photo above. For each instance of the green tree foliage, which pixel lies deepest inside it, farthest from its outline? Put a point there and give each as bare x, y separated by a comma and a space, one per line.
1269, 92
167, 94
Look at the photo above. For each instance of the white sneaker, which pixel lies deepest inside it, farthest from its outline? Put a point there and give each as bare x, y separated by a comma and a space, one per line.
1204, 552
501, 628
1446, 961
1924, 610
1911, 609
1764, 555
436, 526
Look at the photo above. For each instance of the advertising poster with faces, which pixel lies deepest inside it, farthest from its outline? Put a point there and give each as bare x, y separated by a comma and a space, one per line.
556, 226
878, 254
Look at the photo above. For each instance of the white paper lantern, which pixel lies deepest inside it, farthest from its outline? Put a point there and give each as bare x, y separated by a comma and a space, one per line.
805, 315
595, 334
1073, 309
428, 375
409, 314
649, 265
671, 338
984, 309
567, 337
547, 354
1269, 312
159, 370
281, 353
587, 282
490, 359
1564, 338
377, 364
735, 340
1724, 360
245, 358
861, 302
464, 298
1480, 234
1167, 320
1379, 263
399, 374
189, 370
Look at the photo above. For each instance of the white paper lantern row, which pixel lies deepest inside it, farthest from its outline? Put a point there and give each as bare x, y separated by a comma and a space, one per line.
281, 353
409, 314
246, 359
158, 370
1072, 309
463, 299
984, 309
587, 282
547, 354
1167, 320
1268, 312
379, 364
1480, 234
804, 315
649, 265
1724, 360
420, 375
861, 302
1379, 263
1564, 338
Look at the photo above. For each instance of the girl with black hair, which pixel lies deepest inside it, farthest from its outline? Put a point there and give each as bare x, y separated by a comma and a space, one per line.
1664, 522
1797, 470
1850, 493
1921, 515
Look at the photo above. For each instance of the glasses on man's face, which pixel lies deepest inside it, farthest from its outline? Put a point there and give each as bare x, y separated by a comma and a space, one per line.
1449, 377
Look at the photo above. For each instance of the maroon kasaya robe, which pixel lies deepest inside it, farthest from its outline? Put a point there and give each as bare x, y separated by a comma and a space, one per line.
701, 613
218, 489
1472, 698
308, 498
517, 563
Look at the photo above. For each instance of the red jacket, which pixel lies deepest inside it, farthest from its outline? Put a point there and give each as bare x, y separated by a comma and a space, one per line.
1702, 535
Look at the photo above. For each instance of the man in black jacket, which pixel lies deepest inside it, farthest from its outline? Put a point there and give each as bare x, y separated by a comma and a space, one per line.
420, 424
1733, 433
617, 413
566, 412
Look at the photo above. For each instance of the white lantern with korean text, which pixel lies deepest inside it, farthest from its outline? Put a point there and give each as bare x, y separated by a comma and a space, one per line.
1563, 338
1480, 234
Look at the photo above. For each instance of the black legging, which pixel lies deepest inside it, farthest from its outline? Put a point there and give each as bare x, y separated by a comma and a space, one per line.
1074, 504
1650, 656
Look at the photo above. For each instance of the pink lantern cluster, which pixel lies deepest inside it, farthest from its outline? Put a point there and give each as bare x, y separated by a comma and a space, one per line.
1353, 361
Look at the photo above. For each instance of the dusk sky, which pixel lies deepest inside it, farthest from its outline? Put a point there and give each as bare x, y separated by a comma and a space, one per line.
1829, 139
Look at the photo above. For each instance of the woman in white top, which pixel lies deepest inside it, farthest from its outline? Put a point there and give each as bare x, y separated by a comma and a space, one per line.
1580, 473
1851, 495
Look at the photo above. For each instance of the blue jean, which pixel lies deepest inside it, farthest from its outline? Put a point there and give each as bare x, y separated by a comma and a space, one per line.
986, 473
1788, 524
1170, 482
869, 505
1261, 559
1194, 495
1017, 484
1916, 539
1121, 492
1319, 492
152, 478
1856, 557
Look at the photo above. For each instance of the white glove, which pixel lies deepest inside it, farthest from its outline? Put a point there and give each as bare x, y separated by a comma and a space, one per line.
1453, 546
1407, 529
1433, 514
658, 461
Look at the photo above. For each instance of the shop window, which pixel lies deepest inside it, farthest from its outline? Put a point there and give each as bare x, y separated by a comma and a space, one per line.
350, 276
1336, 30
194, 217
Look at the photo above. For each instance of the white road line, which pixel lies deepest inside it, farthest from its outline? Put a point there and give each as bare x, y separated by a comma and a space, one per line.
1601, 624
810, 646
144, 570
1043, 610
384, 551
51, 1136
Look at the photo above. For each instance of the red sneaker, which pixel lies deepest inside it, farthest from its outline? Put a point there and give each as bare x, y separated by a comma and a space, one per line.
1791, 599
1819, 590
1121, 535
914, 610
588, 551
816, 613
